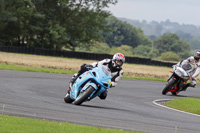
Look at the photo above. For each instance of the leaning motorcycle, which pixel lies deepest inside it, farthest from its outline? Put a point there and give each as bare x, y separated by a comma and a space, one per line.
176, 81
89, 85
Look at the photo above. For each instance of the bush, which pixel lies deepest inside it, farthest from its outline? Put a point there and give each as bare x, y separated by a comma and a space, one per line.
169, 56
124, 49
145, 51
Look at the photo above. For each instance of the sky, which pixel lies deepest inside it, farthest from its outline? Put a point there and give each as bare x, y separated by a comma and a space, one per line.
181, 11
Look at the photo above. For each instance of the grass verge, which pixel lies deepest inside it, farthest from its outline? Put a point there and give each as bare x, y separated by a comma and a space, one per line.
145, 78
11, 124
131, 70
61, 71
191, 105
35, 69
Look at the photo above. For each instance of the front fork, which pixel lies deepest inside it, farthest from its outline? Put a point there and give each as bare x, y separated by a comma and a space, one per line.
179, 83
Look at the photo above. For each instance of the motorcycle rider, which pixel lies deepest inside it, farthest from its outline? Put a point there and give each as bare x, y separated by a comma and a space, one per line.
191, 66
114, 64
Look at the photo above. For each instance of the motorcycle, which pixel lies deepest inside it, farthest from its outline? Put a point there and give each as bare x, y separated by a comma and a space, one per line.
176, 81
89, 85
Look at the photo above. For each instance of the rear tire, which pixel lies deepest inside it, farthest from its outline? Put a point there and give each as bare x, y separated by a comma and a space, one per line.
168, 86
67, 98
84, 95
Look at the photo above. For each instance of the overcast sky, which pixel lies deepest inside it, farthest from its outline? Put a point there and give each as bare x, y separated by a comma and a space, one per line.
181, 11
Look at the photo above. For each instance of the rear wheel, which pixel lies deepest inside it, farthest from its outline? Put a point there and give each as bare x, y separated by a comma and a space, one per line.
84, 95
168, 86
67, 98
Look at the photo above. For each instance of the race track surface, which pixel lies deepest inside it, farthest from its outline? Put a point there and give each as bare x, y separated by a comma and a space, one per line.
128, 106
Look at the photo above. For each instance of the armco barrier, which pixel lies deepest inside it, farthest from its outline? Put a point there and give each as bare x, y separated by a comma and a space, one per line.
81, 55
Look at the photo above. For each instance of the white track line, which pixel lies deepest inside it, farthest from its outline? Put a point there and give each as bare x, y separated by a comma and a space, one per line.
159, 100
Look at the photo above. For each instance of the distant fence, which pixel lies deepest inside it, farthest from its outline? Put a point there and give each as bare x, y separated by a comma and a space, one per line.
81, 55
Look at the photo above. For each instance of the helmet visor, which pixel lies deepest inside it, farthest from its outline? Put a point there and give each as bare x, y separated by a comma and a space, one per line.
119, 63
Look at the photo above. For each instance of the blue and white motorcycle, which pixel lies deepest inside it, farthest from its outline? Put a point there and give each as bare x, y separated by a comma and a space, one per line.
89, 85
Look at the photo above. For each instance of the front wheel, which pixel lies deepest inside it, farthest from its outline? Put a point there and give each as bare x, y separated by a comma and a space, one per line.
168, 86
84, 95
67, 98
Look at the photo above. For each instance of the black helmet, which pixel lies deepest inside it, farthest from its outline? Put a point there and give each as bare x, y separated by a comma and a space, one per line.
197, 54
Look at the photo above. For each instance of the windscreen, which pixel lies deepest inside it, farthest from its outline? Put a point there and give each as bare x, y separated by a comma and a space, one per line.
186, 67
106, 70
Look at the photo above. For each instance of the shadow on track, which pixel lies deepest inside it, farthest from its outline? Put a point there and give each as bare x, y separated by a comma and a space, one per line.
108, 108
176, 95
100, 107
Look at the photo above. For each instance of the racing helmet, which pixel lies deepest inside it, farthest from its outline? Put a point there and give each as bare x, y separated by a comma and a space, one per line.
118, 60
197, 54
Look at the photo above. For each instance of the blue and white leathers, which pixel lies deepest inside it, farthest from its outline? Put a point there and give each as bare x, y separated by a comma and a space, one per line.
99, 78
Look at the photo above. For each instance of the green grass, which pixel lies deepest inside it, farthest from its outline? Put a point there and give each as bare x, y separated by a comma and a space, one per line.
11, 124
191, 105
145, 78
60, 71
34, 69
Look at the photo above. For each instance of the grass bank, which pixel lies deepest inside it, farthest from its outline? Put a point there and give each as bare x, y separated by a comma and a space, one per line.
191, 105
11, 124
61, 71
60, 65
35, 69
35, 63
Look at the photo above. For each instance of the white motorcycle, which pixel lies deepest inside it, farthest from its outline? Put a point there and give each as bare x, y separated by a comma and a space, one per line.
177, 80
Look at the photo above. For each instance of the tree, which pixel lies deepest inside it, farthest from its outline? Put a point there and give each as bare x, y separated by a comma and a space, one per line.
100, 48
169, 56
125, 49
14, 17
194, 44
158, 29
122, 33
171, 42
53, 24
145, 51
184, 36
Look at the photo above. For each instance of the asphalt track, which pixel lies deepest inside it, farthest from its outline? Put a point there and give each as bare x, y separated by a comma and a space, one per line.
128, 106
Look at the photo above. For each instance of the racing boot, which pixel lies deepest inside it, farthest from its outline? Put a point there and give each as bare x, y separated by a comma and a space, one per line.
71, 82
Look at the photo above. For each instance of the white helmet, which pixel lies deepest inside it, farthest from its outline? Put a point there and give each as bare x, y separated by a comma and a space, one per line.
118, 57
197, 54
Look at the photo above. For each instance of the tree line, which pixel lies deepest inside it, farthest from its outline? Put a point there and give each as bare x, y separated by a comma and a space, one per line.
132, 41
187, 32
80, 25
52, 24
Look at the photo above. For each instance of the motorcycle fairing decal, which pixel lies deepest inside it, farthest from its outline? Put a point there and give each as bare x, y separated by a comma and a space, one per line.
109, 82
73, 89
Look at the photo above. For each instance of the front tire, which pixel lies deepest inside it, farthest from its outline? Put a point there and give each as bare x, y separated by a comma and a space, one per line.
67, 98
84, 95
168, 86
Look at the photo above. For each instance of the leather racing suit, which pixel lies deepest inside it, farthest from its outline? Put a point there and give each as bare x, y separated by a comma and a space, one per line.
192, 68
